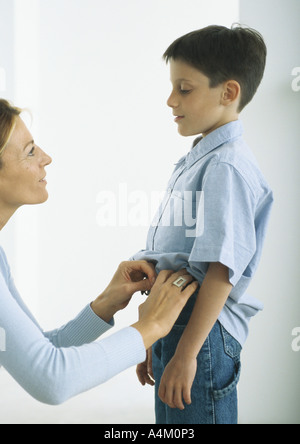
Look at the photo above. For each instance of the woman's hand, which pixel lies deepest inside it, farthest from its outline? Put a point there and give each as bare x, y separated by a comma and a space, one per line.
162, 308
131, 276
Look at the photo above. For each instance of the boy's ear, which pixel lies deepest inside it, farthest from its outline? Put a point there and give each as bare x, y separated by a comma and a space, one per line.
231, 92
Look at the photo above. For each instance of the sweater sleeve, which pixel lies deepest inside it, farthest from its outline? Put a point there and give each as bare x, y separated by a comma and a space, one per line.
53, 374
85, 328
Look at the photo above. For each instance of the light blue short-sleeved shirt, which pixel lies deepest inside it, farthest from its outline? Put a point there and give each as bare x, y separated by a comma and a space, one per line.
216, 209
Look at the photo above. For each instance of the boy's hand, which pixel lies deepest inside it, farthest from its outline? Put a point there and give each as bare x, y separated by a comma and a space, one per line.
176, 382
144, 370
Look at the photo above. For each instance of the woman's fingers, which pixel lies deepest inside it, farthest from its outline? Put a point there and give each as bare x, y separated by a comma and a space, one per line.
161, 309
169, 277
137, 270
181, 273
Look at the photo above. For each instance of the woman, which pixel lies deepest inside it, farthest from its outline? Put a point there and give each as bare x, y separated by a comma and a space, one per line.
57, 365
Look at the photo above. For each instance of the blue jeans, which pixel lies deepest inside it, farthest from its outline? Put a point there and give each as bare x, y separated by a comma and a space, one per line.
214, 392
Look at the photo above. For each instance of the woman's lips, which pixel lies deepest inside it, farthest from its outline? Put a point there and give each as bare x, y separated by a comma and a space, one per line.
178, 118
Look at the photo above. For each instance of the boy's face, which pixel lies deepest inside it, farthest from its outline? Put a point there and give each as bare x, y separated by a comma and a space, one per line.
198, 108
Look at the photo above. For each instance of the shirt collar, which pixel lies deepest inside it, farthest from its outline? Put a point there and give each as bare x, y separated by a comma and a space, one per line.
222, 135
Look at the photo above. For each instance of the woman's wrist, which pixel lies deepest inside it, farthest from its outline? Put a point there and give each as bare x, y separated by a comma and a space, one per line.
103, 308
150, 332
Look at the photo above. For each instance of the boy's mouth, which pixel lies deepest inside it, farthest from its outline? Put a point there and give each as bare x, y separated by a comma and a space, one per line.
178, 118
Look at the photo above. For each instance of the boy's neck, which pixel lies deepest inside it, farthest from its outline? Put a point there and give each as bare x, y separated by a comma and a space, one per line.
220, 124
202, 136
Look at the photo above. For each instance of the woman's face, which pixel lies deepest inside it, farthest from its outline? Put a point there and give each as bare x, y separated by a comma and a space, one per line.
22, 176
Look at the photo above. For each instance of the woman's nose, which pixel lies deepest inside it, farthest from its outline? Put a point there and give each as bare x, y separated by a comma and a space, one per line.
48, 159
45, 159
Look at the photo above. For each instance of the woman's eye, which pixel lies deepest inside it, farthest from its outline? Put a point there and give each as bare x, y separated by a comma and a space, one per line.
31, 153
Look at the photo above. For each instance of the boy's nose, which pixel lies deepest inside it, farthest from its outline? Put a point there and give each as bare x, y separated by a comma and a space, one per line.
172, 102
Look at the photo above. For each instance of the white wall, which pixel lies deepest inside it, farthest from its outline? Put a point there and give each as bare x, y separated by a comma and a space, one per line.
91, 72
104, 119
270, 385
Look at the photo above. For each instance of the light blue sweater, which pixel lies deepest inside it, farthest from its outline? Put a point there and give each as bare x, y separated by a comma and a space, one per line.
55, 366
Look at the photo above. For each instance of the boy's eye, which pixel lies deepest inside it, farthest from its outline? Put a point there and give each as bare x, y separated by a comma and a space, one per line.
185, 91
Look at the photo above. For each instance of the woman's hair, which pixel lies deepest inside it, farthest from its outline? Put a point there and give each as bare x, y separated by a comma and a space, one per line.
8, 116
224, 54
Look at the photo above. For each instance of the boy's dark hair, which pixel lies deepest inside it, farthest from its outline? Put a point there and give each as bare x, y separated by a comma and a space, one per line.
224, 54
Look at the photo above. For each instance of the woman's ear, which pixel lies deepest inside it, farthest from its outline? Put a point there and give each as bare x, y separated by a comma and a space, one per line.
231, 92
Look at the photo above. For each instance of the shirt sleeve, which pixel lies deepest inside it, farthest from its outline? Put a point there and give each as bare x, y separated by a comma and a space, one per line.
53, 374
227, 234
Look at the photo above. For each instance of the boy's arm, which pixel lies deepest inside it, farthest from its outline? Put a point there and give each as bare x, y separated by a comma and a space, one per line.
179, 375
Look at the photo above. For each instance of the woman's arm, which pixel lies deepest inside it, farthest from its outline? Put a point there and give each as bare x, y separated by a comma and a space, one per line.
85, 328
53, 375
97, 317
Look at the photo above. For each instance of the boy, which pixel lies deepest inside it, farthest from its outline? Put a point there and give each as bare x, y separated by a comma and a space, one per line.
218, 186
